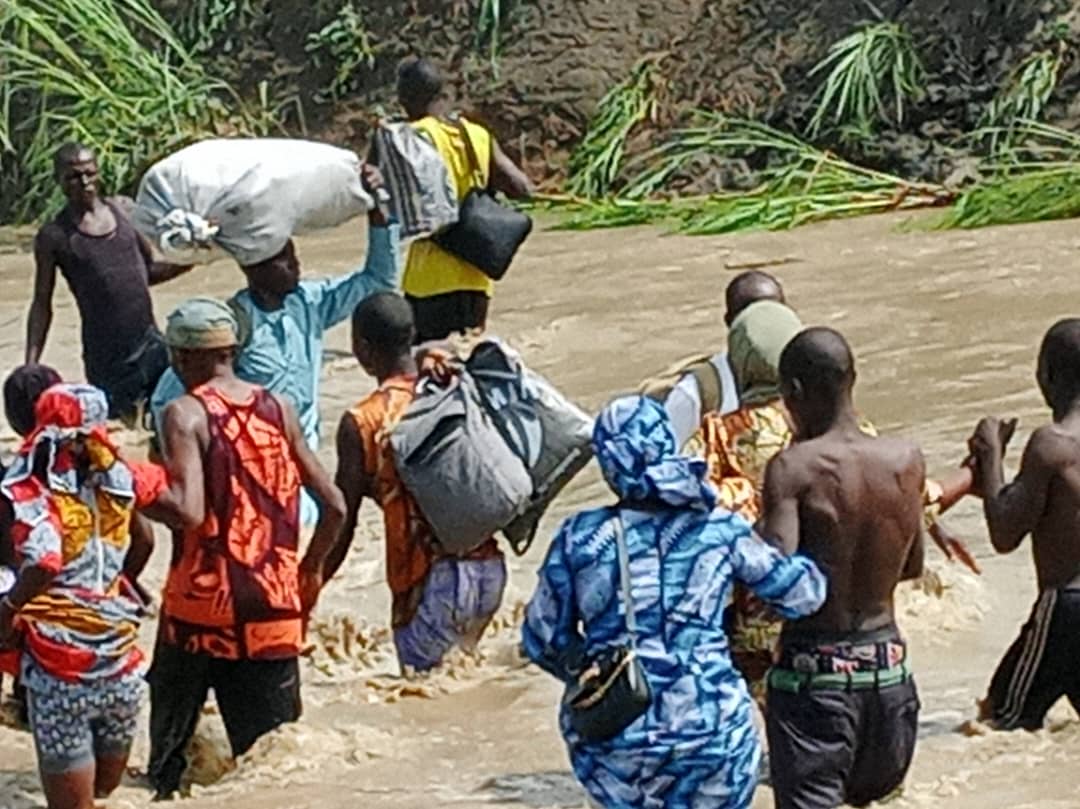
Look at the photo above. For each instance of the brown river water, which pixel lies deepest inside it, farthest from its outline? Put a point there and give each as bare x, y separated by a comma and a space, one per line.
945, 327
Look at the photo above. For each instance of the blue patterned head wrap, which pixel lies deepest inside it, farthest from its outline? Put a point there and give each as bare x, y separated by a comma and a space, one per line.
636, 449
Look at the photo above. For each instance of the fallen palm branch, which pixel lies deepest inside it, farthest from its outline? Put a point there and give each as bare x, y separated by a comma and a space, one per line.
1030, 196
800, 185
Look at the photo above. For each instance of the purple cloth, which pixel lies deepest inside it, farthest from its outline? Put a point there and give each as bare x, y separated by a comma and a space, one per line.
461, 596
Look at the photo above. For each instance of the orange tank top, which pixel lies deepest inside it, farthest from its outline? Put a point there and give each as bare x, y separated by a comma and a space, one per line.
410, 546
232, 590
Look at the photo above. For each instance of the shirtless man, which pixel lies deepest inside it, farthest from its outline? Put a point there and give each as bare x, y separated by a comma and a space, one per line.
842, 705
1044, 501
110, 269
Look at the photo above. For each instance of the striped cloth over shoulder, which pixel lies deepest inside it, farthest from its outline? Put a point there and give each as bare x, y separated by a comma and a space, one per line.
423, 199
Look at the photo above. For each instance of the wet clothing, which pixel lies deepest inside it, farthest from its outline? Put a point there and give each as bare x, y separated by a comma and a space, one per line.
430, 270
232, 591
464, 588
1041, 665
74, 724
83, 628
253, 696
696, 744
842, 721
109, 278
283, 351
440, 316
460, 598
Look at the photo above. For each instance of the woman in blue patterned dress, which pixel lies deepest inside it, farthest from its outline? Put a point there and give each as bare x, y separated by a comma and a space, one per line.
696, 745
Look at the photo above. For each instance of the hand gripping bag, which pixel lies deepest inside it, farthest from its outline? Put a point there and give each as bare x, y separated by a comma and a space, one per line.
454, 462
551, 435
246, 197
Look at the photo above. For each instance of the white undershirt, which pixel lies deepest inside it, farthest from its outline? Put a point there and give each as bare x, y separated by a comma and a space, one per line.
683, 404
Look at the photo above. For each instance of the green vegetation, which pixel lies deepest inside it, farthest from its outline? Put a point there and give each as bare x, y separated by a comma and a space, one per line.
201, 23
802, 185
488, 26
595, 163
346, 44
866, 73
1023, 98
130, 90
1036, 179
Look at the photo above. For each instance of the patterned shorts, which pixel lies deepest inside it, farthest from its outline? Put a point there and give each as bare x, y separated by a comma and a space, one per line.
461, 596
73, 724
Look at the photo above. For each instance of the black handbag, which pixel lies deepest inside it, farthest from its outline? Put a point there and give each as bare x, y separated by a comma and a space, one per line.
487, 233
612, 692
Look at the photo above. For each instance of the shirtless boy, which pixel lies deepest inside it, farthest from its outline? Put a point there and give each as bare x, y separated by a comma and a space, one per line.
842, 705
1044, 501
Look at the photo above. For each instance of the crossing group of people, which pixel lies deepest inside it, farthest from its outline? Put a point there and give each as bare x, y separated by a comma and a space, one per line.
758, 529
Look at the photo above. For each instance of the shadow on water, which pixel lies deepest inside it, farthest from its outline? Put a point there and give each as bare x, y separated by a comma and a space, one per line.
546, 790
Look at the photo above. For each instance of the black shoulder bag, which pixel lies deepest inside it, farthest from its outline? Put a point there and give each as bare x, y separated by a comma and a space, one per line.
612, 693
487, 233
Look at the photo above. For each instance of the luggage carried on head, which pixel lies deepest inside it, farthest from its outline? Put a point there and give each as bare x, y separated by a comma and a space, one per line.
451, 457
246, 197
423, 199
551, 435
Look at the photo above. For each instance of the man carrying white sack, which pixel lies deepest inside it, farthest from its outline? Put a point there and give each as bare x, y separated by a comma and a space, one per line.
284, 320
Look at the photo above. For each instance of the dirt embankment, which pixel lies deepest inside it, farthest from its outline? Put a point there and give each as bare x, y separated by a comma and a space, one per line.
557, 58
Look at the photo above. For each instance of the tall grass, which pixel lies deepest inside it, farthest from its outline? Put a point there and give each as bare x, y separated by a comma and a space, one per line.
594, 165
1023, 98
109, 73
345, 43
869, 76
488, 29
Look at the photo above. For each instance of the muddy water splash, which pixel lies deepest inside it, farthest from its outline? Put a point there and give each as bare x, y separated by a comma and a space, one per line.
945, 327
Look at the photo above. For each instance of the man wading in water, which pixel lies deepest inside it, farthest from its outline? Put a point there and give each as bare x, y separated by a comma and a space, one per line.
109, 268
842, 706
1044, 499
448, 294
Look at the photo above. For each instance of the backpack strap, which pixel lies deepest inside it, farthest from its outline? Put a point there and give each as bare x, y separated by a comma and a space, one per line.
710, 385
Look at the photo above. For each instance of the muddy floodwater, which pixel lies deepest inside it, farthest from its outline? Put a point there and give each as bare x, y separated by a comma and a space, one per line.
945, 327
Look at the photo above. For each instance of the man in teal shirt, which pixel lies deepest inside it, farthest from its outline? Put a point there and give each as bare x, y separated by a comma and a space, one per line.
284, 319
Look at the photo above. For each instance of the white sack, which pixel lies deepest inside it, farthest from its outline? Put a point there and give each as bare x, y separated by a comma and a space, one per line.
246, 197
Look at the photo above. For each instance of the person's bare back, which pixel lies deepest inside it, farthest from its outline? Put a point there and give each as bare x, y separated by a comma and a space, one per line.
842, 707
860, 517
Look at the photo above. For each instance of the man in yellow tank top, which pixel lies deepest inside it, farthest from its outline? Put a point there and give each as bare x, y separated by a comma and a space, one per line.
447, 294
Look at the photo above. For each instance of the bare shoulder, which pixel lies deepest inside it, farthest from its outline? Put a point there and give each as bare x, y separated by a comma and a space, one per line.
788, 469
184, 413
1052, 445
901, 455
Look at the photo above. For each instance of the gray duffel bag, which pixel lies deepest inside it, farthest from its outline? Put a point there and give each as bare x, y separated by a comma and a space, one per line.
454, 462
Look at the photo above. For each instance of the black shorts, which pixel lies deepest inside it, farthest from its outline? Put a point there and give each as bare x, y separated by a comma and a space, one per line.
1040, 667
130, 381
440, 316
828, 747
253, 696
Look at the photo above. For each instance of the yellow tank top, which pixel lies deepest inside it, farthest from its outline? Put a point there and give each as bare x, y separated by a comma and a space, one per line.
430, 270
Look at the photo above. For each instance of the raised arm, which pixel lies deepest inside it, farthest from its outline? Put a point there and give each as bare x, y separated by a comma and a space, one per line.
157, 272
506, 176
39, 319
1012, 511
352, 480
